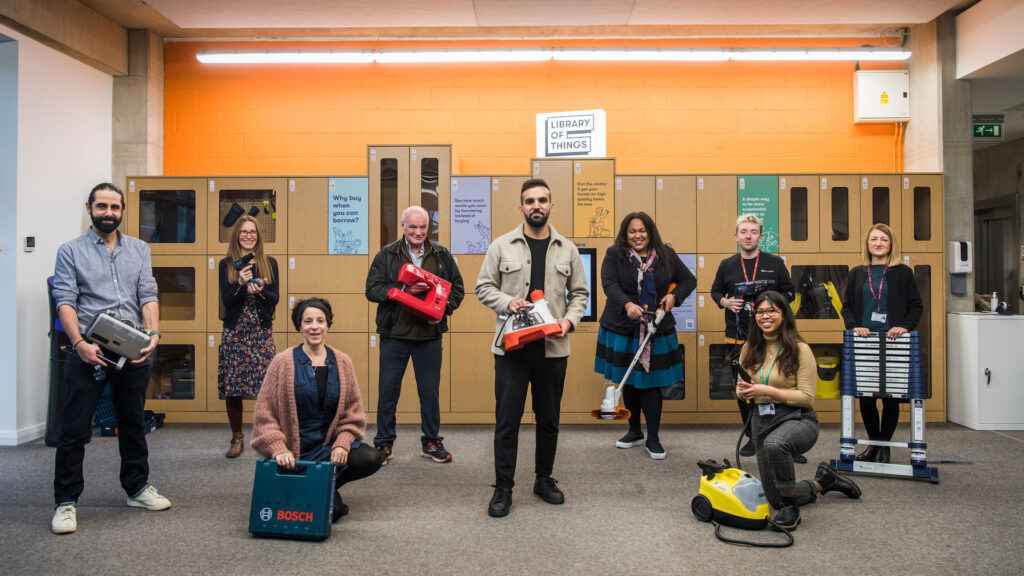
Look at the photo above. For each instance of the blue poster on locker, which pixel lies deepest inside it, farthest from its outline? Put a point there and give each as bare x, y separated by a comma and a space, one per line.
471, 214
686, 313
348, 223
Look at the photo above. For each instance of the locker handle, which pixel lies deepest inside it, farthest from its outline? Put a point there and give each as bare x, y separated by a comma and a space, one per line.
988, 377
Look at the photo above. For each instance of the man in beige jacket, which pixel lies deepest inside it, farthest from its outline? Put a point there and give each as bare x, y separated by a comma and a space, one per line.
534, 256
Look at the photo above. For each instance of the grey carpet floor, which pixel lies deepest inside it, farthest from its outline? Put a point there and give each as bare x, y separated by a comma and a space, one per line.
624, 513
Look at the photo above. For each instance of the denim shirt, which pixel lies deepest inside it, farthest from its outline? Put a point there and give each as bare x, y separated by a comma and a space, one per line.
314, 419
92, 279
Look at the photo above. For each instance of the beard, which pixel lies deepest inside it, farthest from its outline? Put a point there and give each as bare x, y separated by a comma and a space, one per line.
537, 221
105, 225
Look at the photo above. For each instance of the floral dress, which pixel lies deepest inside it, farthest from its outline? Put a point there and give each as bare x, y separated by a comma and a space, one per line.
245, 353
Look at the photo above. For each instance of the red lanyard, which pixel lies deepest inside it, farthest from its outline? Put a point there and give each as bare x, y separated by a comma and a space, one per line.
871, 288
744, 267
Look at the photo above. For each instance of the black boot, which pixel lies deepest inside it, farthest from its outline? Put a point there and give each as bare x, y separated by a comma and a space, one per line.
868, 455
340, 508
748, 449
882, 455
830, 480
788, 517
799, 459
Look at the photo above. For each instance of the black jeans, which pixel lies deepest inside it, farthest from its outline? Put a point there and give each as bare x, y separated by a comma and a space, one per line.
513, 373
426, 364
83, 393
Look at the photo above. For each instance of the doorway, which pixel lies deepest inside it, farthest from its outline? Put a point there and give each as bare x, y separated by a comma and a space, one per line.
996, 223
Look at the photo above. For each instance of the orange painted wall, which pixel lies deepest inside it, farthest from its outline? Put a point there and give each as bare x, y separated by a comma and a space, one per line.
732, 117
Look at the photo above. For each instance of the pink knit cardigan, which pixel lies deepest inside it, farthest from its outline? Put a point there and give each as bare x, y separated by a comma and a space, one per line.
276, 421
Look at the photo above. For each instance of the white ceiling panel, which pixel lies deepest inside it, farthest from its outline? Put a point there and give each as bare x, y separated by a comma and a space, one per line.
315, 13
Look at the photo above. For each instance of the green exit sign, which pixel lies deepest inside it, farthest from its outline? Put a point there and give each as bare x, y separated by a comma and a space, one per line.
988, 130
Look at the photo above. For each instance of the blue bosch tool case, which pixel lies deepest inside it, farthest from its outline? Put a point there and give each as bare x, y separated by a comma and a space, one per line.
292, 503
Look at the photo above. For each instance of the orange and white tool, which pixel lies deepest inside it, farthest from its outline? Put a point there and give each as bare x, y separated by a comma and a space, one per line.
530, 323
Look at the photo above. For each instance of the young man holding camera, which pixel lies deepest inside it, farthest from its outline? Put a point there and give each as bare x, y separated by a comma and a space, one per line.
739, 279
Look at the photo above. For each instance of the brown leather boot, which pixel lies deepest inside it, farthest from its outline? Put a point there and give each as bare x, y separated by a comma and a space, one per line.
237, 445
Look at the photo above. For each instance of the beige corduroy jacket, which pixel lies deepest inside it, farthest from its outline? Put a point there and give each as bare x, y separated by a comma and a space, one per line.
505, 276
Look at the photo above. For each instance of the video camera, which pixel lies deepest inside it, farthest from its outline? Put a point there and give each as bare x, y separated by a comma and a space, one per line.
750, 290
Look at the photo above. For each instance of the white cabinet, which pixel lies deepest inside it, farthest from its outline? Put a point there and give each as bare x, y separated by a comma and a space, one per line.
986, 371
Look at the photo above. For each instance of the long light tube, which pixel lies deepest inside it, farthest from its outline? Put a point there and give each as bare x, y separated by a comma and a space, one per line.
546, 54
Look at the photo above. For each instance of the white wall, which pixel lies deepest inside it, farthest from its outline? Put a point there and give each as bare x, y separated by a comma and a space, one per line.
64, 148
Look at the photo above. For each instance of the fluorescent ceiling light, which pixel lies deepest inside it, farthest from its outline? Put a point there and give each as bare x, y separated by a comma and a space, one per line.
545, 54
496, 55
640, 55
284, 56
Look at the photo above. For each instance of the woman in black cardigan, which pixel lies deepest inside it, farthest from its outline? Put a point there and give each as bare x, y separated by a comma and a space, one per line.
249, 295
881, 296
636, 274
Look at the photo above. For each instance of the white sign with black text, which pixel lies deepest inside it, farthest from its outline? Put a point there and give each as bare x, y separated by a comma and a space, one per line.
582, 133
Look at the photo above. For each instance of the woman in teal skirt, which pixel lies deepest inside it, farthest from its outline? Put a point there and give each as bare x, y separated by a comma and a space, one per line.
636, 274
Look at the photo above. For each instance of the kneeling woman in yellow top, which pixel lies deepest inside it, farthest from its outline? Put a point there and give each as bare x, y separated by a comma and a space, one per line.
782, 377
309, 407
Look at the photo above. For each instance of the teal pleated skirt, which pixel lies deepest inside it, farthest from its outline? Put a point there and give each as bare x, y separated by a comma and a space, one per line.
615, 352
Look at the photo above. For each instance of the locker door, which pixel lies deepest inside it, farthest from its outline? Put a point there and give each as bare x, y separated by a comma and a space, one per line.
505, 193
634, 194
840, 214
559, 176
688, 341
430, 173
595, 220
930, 277
676, 211
178, 380
214, 403
307, 216
389, 193
167, 213
799, 226
715, 385
923, 206
817, 277
215, 308
356, 346
181, 287
267, 197
716, 207
880, 202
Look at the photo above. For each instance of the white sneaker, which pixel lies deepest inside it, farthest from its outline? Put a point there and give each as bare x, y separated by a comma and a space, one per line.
65, 519
149, 499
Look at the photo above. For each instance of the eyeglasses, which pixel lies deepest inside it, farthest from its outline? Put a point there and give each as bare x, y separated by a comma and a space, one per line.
763, 312
248, 233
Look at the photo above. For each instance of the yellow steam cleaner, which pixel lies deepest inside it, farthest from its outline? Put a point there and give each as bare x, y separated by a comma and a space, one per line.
731, 497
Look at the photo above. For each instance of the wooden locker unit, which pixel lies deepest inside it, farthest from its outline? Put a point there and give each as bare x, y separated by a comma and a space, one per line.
705, 340
559, 176
675, 211
880, 202
162, 377
307, 216
378, 221
828, 408
408, 410
932, 326
471, 316
215, 309
799, 221
688, 340
796, 263
214, 403
357, 348
418, 157
710, 318
505, 195
707, 267
351, 311
597, 297
248, 193
923, 203
134, 198
716, 203
332, 274
584, 388
472, 382
634, 194
593, 221
833, 228
182, 307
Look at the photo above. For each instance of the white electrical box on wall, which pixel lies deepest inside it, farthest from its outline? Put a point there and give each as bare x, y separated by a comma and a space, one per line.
881, 96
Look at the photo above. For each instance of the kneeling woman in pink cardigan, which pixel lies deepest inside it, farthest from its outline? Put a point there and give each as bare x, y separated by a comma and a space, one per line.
309, 405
